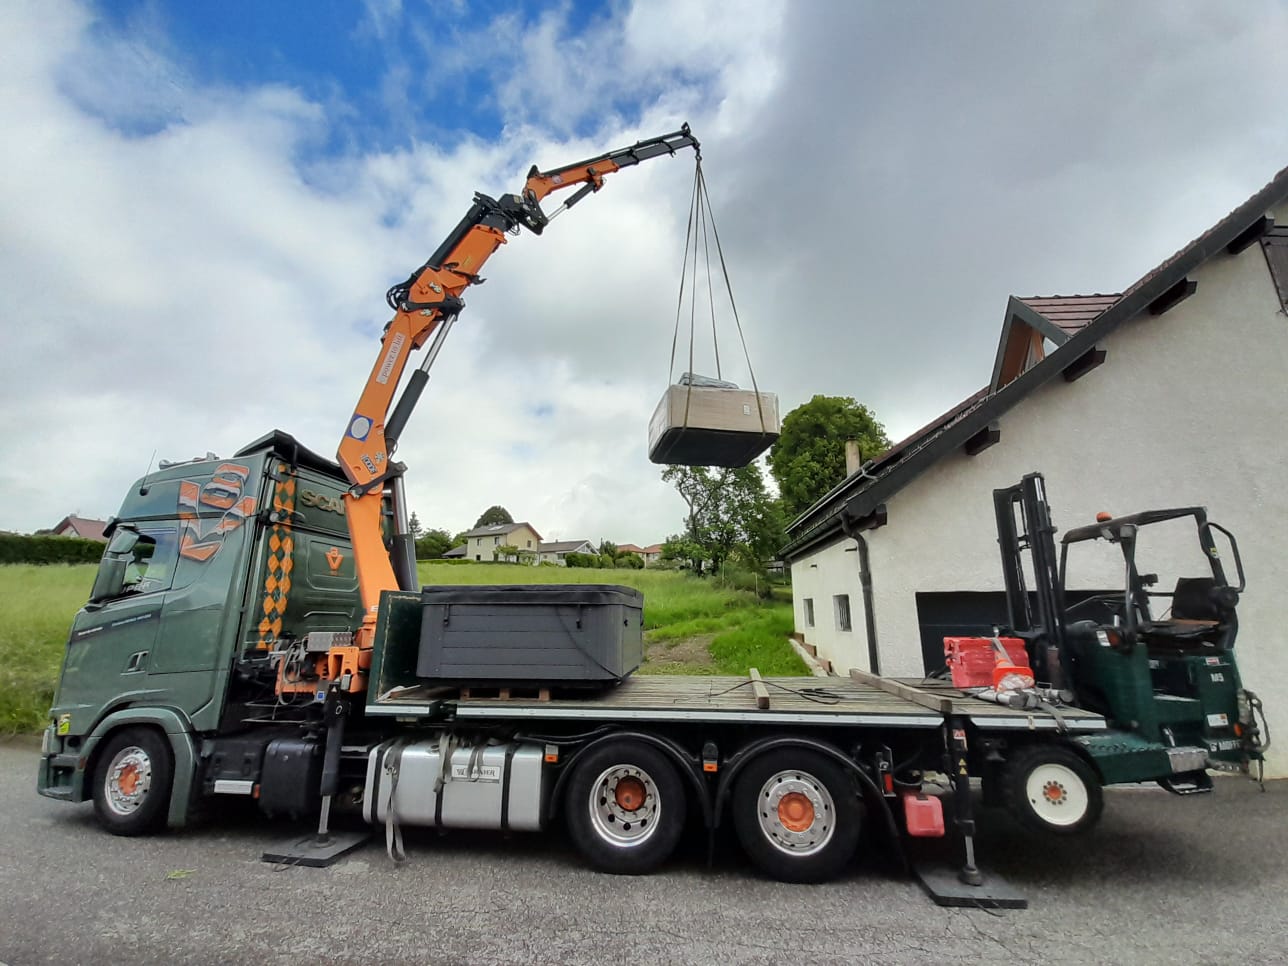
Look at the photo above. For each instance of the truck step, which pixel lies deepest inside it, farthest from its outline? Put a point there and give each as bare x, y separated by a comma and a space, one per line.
1188, 783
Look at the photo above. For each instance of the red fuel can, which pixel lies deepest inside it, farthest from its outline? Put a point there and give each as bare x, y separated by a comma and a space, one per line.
923, 814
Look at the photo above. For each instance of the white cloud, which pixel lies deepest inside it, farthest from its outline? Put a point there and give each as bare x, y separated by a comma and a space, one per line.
183, 271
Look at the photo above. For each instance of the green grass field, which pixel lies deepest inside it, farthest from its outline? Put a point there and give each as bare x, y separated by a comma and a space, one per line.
37, 605
692, 625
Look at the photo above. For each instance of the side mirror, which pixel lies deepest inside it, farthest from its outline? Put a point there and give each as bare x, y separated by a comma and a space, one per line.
110, 580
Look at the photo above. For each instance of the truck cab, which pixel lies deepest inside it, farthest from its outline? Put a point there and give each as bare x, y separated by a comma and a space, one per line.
214, 569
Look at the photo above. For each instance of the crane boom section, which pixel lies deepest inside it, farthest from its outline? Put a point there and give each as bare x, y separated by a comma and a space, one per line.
430, 297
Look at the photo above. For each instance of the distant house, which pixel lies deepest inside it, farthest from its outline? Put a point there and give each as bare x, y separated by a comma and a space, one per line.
456, 553
74, 526
557, 551
481, 543
649, 554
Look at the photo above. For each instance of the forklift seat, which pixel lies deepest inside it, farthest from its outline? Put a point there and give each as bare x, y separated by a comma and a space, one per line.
1194, 623
1192, 600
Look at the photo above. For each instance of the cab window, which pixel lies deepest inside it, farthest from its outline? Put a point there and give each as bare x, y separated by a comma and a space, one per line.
151, 567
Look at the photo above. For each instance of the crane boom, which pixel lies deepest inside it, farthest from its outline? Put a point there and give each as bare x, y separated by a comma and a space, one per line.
425, 306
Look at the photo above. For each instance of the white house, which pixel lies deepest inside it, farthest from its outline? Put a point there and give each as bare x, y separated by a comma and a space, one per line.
1171, 393
556, 552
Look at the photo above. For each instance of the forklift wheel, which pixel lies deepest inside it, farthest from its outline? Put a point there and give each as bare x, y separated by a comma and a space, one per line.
132, 781
1051, 789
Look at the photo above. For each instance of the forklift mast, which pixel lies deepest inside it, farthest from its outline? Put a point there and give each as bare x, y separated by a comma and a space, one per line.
1024, 525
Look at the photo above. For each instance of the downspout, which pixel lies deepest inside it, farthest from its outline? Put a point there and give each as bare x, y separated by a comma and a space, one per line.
850, 526
865, 584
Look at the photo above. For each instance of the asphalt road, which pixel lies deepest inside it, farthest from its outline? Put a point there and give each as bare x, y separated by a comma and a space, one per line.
1162, 880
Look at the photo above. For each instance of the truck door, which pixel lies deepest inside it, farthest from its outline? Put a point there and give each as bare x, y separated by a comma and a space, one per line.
112, 638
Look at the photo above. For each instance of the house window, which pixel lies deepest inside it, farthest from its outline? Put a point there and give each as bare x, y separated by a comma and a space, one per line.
841, 602
478, 557
496, 541
809, 612
529, 544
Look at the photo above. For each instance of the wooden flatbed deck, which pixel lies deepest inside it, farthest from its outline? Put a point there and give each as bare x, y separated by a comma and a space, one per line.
866, 701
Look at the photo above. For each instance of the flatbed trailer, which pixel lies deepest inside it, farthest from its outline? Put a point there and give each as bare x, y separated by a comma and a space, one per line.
882, 734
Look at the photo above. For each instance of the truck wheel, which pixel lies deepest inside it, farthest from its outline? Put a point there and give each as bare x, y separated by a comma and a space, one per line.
1051, 789
625, 807
797, 815
132, 781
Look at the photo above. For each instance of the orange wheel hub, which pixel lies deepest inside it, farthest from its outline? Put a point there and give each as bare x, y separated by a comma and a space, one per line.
129, 780
1054, 793
795, 812
629, 794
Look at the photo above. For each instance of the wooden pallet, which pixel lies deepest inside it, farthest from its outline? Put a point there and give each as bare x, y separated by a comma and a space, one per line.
507, 693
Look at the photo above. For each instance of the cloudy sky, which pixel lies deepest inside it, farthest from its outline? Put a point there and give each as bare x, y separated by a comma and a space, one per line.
201, 206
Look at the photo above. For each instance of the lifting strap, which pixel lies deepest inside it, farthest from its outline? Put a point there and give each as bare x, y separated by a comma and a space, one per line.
701, 217
393, 831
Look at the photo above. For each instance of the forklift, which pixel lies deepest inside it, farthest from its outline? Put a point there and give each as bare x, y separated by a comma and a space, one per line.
1158, 664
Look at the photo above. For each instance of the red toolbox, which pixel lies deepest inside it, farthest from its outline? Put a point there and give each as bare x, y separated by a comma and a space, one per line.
971, 659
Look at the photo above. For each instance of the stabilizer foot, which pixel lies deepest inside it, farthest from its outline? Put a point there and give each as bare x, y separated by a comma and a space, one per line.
945, 887
313, 851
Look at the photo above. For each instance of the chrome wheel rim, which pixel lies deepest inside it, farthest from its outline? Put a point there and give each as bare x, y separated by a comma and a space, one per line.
129, 776
625, 806
1057, 795
796, 812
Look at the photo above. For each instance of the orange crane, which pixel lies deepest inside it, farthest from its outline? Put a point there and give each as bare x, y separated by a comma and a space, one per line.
425, 307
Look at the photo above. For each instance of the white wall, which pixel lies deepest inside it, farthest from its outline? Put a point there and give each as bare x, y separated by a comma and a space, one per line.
1189, 408
822, 576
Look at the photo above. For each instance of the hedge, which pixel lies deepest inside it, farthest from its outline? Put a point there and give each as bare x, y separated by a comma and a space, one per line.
16, 548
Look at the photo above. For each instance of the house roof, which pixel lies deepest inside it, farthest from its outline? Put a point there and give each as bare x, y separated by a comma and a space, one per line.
84, 526
500, 529
859, 498
562, 546
1070, 313
629, 548
652, 548
455, 552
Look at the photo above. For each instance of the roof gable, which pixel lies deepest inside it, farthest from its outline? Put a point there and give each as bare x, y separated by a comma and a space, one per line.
84, 527
1030, 321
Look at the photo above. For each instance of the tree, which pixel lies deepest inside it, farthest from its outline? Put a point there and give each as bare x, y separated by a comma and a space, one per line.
432, 544
505, 553
808, 459
731, 514
492, 516
414, 525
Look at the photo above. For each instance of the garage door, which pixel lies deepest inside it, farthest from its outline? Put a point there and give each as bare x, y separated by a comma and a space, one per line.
956, 614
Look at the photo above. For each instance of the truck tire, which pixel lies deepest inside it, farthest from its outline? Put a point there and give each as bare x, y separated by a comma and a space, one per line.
798, 815
1052, 790
625, 807
132, 777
